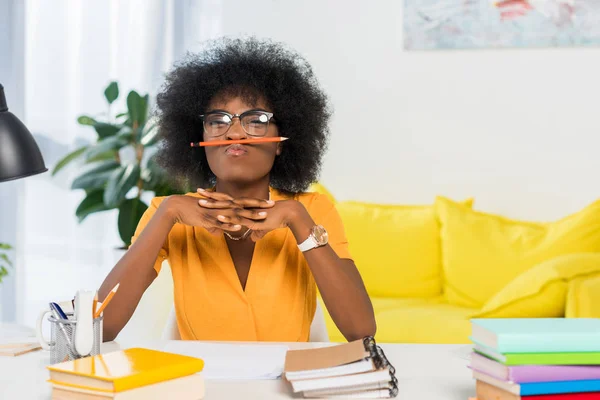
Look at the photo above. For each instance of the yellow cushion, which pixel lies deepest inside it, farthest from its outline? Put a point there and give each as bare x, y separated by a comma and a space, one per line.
424, 323
379, 304
583, 298
317, 187
482, 253
541, 291
396, 248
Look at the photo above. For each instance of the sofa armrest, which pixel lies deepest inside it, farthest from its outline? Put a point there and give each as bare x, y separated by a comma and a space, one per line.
583, 298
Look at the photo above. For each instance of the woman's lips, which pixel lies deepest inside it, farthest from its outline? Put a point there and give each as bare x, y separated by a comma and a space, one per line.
236, 150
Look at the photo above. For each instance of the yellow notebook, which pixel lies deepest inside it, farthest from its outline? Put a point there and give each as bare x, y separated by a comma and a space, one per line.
124, 369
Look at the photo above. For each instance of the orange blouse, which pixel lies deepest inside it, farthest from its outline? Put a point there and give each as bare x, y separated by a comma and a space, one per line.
279, 301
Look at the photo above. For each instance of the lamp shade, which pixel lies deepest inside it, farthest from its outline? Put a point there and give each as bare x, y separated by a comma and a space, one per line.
20, 155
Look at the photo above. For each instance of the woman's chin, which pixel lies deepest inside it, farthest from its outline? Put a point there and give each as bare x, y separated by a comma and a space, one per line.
239, 179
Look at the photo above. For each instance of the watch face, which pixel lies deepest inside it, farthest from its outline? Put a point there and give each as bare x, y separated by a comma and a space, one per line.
320, 235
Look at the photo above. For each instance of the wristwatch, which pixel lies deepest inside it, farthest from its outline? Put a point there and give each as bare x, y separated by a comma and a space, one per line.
318, 237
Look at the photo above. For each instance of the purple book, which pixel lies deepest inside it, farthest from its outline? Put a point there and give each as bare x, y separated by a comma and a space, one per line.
533, 373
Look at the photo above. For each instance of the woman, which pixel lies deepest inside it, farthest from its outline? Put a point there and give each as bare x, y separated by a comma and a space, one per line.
247, 249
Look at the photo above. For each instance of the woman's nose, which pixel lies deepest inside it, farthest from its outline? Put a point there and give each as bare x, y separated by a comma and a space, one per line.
235, 130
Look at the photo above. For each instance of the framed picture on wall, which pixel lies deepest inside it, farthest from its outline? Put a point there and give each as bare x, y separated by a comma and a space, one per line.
468, 24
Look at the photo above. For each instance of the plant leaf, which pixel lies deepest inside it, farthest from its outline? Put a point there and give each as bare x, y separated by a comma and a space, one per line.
105, 130
85, 120
130, 213
150, 134
92, 203
144, 110
111, 92
95, 175
111, 143
3, 272
68, 158
137, 107
109, 155
126, 133
5, 258
133, 101
119, 183
126, 122
5, 246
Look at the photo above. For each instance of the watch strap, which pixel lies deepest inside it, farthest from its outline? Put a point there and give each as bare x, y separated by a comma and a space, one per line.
309, 243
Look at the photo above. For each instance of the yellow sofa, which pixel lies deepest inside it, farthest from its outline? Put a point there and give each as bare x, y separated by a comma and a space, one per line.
430, 268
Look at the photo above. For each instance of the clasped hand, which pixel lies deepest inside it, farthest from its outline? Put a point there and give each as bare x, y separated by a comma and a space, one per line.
218, 212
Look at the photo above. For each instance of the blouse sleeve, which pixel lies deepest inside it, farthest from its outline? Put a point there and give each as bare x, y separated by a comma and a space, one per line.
163, 254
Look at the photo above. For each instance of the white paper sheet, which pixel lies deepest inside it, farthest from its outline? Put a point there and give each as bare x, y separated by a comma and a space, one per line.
224, 361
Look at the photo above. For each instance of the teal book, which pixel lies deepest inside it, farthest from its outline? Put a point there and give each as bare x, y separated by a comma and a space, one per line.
537, 335
566, 358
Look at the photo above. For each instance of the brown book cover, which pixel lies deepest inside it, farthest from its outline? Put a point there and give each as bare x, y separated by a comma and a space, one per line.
325, 357
485, 391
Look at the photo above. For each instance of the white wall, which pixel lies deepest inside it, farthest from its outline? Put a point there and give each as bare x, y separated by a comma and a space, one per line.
516, 128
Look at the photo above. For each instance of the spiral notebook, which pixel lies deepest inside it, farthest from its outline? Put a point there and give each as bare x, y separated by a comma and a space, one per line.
357, 369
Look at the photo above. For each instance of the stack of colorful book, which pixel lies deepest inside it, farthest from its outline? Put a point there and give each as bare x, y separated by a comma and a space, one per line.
536, 358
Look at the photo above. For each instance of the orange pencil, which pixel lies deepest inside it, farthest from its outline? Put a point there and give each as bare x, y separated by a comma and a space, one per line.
95, 304
107, 300
241, 141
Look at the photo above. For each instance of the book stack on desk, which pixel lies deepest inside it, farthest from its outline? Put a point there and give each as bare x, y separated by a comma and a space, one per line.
132, 374
358, 369
536, 358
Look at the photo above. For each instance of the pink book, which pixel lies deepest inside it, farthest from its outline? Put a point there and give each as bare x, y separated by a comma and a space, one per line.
533, 373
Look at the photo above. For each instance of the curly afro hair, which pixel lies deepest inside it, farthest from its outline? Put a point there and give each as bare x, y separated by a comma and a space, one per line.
252, 69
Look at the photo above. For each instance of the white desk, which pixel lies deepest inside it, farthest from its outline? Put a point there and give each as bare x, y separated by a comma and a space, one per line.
424, 372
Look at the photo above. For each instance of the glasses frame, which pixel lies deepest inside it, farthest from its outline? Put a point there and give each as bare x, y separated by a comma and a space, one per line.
239, 117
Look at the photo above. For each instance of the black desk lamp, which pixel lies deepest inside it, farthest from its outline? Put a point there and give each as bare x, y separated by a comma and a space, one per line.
20, 155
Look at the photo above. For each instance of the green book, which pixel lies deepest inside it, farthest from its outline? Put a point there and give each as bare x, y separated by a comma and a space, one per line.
567, 358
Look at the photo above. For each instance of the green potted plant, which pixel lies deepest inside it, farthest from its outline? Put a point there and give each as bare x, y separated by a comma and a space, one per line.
121, 165
5, 262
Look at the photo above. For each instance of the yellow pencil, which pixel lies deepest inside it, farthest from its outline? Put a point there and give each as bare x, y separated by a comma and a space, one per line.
107, 300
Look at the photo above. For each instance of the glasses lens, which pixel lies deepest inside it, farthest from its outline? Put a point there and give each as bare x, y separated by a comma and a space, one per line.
256, 123
216, 124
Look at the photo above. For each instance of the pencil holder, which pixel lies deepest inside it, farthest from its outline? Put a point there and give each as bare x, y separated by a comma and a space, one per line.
62, 339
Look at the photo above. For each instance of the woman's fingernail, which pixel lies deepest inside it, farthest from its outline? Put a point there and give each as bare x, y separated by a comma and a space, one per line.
201, 190
262, 213
237, 226
270, 202
220, 216
203, 202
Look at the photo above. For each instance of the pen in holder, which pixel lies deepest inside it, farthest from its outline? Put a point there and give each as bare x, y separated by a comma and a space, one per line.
62, 339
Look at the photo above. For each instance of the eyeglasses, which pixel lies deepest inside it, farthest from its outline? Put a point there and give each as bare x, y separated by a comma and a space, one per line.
254, 122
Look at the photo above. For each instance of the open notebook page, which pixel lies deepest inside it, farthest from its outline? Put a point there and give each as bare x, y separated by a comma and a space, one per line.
225, 361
